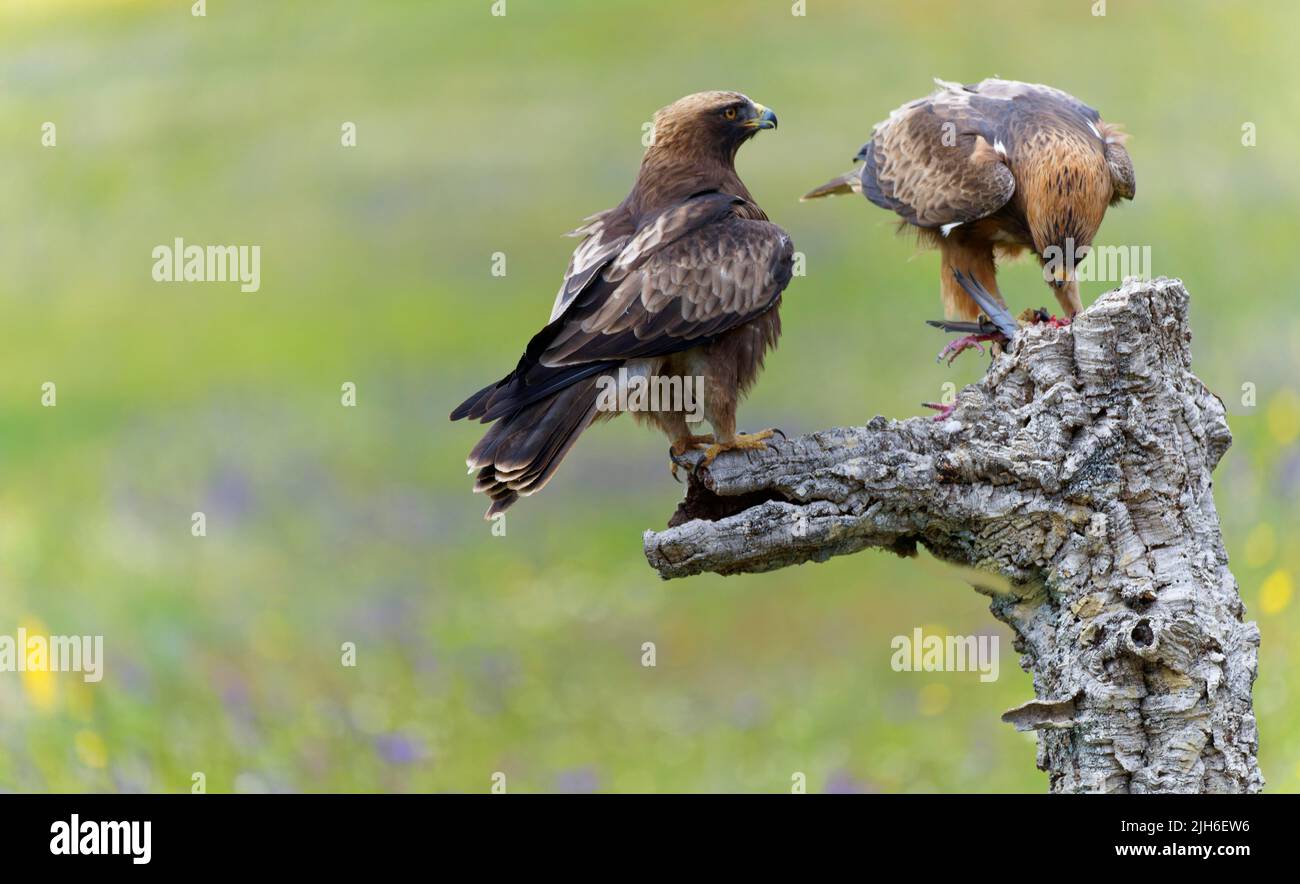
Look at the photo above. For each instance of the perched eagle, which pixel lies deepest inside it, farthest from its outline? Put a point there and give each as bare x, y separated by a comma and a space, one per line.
681, 280
988, 170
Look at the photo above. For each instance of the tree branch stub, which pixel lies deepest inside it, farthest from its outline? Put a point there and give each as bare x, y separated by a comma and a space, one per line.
1079, 468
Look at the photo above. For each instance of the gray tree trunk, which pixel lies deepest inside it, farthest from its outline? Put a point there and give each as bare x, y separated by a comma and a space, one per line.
1079, 469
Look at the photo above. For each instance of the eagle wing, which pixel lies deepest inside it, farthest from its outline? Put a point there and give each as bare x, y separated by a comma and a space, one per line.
1044, 100
604, 234
941, 160
694, 271
1120, 163
937, 161
1121, 171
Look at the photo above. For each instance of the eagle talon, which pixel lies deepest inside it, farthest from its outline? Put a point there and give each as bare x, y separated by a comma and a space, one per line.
739, 442
677, 451
957, 346
945, 411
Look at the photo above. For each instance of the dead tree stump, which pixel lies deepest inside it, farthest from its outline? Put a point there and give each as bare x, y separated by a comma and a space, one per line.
1079, 468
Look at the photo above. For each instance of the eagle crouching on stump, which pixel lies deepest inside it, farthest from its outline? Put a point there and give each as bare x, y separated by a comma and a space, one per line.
681, 280
986, 171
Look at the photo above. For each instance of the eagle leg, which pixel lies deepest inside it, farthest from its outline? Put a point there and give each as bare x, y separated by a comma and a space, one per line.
997, 314
995, 324
738, 442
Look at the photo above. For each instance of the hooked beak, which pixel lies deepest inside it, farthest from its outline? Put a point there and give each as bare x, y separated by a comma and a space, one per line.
763, 118
1058, 276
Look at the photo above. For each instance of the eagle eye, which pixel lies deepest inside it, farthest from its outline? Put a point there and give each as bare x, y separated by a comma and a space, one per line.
729, 113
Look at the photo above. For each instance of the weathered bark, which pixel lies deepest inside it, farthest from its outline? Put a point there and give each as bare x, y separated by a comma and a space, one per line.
1079, 469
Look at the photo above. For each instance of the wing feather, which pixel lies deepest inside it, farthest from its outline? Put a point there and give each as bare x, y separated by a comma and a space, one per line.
605, 235
684, 277
935, 162
717, 276
1122, 178
942, 160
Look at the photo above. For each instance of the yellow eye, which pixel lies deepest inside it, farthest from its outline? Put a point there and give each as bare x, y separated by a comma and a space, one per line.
729, 113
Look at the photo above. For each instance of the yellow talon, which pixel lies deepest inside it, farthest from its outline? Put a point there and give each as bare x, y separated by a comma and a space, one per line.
685, 444
739, 442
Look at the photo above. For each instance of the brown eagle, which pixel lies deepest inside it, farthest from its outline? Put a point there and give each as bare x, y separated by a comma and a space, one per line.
986, 171
678, 282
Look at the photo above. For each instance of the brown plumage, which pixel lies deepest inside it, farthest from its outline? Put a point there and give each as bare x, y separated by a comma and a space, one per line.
988, 170
682, 279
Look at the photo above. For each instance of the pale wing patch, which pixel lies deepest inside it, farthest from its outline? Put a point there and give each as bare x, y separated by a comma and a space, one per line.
693, 289
931, 179
597, 247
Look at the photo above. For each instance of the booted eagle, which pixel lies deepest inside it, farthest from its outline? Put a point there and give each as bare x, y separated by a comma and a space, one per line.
680, 281
986, 171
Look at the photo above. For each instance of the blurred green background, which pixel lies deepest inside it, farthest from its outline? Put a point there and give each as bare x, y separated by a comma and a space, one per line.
479, 134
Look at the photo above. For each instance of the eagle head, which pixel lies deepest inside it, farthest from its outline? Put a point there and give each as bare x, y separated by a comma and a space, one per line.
1064, 215
710, 123
693, 149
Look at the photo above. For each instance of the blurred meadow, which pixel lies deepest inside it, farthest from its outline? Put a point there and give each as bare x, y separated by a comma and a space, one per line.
479, 134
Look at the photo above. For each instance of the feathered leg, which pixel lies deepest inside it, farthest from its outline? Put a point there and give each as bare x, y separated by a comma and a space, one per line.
721, 395
971, 302
972, 257
969, 286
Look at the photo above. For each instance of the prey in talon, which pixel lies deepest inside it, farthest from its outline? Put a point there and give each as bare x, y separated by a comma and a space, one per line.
985, 172
974, 336
994, 324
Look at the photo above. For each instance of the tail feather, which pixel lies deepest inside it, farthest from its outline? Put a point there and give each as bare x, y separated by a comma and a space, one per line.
523, 449
475, 405
528, 383
849, 182
502, 497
